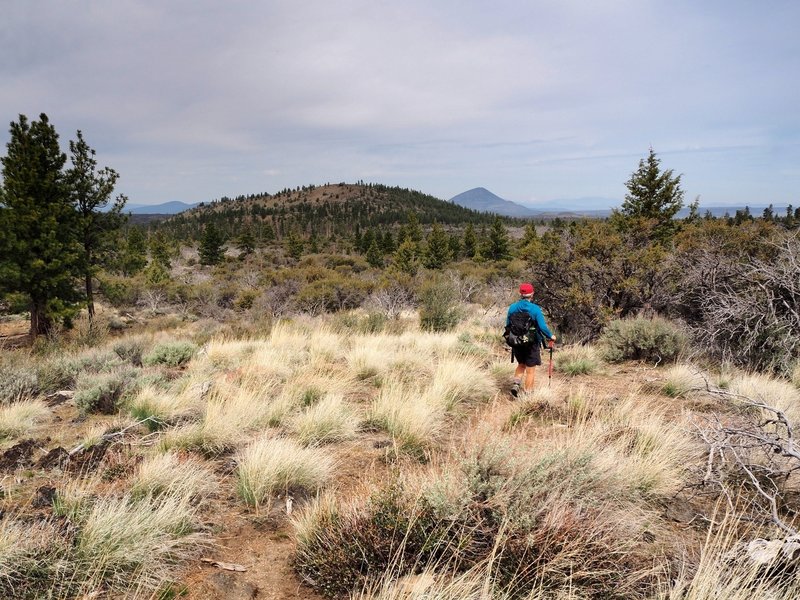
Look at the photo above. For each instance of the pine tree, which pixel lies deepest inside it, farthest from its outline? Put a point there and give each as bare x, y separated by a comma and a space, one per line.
530, 234
470, 241
455, 246
387, 243
160, 251
437, 250
39, 252
90, 191
374, 255
134, 254
413, 228
654, 195
294, 245
211, 246
405, 258
498, 243
246, 243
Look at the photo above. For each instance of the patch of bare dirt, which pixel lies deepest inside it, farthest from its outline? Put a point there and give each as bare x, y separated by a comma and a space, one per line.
20, 455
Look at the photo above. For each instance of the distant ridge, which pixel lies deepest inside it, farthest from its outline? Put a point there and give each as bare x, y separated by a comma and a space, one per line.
166, 208
483, 200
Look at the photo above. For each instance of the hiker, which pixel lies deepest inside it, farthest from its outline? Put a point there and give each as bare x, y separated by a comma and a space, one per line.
525, 332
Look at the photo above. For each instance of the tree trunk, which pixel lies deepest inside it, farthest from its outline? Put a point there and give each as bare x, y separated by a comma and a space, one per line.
89, 298
40, 323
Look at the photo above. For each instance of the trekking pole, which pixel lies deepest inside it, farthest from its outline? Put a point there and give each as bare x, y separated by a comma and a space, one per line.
550, 345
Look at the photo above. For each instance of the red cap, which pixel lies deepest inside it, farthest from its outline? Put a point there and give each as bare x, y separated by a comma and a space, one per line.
525, 289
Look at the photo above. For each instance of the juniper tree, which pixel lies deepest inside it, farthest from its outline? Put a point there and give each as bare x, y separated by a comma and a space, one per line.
437, 250
90, 191
470, 244
39, 253
246, 243
653, 195
294, 245
160, 251
134, 253
211, 246
498, 243
405, 258
374, 255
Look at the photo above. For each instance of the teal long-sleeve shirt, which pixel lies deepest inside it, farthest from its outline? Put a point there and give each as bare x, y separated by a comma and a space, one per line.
534, 311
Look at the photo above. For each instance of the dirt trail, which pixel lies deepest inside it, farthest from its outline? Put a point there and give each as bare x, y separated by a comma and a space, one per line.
264, 544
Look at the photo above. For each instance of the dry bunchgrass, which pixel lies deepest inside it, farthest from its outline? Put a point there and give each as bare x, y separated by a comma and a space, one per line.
75, 497
269, 466
230, 412
646, 451
172, 474
412, 419
161, 408
20, 417
367, 359
772, 392
32, 561
683, 379
795, 375
137, 543
554, 404
460, 379
724, 571
576, 360
329, 420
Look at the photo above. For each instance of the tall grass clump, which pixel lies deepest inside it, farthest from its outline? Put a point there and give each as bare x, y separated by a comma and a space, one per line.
32, 561
411, 418
159, 408
795, 375
653, 340
576, 360
773, 392
725, 571
20, 417
170, 354
137, 544
460, 379
171, 474
682, 379
271, 466
230, 411
548, 523
329, 420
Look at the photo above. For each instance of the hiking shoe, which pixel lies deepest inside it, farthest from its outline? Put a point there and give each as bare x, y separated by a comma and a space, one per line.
515, 390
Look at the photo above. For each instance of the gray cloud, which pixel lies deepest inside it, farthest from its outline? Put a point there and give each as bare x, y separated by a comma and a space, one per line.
534, 100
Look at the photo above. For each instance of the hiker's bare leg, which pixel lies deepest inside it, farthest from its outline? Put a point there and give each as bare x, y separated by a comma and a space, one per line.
519, 371
530, 378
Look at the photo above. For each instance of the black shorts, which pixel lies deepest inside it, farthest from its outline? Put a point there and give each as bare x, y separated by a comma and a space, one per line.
530, 356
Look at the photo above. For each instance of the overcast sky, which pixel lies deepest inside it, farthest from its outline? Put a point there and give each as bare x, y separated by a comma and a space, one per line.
535, 100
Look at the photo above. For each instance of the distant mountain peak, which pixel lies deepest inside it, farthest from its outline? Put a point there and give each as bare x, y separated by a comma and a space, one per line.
483, 200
